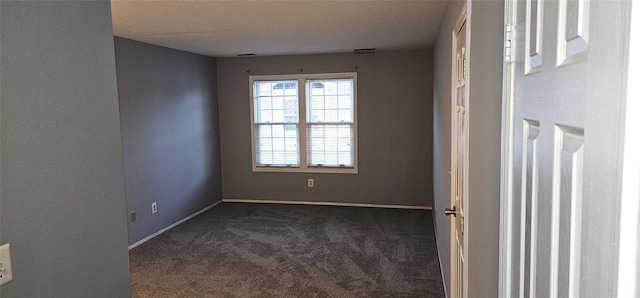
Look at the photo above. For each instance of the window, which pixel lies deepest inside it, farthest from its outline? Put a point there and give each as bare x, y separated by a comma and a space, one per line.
304, 123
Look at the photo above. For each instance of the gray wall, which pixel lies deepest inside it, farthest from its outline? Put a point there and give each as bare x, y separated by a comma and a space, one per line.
485, 104
170, 133
394, 130
62, 188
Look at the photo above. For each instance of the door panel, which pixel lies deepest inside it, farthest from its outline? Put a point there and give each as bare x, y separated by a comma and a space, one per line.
567, 212
567, 103
534, 25
529, 207
573, 31
458, 165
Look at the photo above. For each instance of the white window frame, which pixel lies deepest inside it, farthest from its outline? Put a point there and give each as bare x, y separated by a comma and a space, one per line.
302, 123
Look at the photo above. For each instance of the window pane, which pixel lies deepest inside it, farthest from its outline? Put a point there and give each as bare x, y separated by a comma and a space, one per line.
316, 116
345, 87
291, 109
264, 103
278, 116
330, 145
265, 116
330, 101
318, 90
331, 115
276, 101
345, 102
345, 115
277, 145
262, 89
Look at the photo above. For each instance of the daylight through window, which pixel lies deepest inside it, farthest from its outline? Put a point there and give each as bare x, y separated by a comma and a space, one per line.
304, 123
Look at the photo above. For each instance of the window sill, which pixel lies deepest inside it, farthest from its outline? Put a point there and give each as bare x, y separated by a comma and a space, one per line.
326, 170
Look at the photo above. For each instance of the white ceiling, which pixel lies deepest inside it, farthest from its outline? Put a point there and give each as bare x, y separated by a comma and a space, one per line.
229, 28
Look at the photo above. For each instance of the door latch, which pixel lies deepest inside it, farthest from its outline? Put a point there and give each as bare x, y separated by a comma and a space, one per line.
450, 211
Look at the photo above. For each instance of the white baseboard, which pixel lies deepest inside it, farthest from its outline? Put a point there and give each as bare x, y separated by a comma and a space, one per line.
145, 239
326, 204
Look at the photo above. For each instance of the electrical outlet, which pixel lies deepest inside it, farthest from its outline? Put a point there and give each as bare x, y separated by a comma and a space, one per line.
133, 216
310, 183
154, 207
6, 272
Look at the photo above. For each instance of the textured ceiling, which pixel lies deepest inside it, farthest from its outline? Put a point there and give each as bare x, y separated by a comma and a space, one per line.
229, 28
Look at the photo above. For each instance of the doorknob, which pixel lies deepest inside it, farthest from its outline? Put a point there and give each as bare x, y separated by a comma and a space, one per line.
450, 211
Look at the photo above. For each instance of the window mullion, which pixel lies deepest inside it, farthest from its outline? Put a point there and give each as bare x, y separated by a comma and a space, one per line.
302, 122
254, 129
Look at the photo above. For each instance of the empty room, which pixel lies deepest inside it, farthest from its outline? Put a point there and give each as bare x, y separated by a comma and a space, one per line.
319, 148
307, 156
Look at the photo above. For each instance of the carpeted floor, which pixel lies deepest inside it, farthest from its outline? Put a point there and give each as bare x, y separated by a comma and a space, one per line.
264, 250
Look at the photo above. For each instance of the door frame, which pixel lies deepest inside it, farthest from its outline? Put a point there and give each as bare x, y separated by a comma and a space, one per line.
630, 200
462, 18
628, 258
506, 162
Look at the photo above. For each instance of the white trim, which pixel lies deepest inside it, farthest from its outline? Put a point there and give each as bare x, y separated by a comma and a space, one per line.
506, 167
454, 267
327, 204
145, 239
303, 166
468, 220
629, 217
452, 156
318, 170
302, 128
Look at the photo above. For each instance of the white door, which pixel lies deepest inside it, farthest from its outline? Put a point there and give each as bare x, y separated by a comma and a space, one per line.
459, 137
562, 154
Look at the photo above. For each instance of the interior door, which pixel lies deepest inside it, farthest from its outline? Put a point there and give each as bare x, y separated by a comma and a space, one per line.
458, 161
566, 97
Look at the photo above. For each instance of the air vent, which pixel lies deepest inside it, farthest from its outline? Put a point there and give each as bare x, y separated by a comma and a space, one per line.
246, 55
364, 51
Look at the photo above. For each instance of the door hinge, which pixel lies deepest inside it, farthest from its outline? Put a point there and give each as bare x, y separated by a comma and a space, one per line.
509, 43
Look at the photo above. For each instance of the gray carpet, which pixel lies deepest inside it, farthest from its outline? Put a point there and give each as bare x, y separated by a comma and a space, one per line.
264, 250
